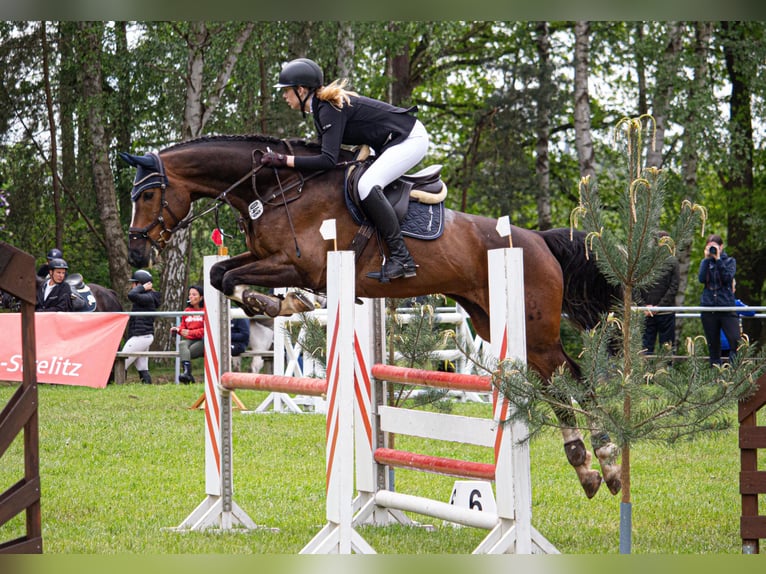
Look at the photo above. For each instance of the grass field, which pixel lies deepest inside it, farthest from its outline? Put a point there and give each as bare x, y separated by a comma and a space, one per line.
122, 464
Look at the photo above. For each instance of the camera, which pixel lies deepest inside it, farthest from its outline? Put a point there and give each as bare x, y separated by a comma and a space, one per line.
713, 250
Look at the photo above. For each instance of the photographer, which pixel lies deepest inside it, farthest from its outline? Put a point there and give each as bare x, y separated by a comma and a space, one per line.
717, 275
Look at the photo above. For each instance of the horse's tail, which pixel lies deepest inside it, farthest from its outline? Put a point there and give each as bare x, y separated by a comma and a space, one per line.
587, 293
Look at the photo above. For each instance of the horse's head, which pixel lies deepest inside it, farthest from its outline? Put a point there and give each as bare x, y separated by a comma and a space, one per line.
228, 171
158, 210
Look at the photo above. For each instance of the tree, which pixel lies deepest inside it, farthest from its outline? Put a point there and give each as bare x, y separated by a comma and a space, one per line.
544, 111
623, 393
98, 150
584, 143
200, 102
736, 175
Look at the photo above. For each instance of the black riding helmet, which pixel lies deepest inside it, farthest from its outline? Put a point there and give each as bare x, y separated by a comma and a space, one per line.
301, 72
54, 254
141, 276
57, 263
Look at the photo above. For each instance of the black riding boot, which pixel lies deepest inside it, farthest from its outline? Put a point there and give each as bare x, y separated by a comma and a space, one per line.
383, 217
186, 376
146, 378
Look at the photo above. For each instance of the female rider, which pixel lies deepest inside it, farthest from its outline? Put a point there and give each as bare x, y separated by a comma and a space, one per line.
343, 117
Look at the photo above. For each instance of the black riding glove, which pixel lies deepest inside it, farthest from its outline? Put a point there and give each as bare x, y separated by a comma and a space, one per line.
274, 159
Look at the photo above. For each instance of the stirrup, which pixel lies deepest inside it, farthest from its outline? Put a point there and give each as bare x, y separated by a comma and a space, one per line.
385, 274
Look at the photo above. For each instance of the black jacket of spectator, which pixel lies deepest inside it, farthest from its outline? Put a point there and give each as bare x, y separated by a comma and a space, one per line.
59, 299
143, 300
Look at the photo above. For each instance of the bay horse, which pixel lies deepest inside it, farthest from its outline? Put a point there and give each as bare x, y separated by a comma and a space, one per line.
281, 210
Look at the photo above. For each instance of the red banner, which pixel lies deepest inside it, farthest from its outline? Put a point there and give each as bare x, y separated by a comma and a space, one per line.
72, 348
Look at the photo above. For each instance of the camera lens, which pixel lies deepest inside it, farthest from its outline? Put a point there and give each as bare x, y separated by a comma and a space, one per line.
713, 250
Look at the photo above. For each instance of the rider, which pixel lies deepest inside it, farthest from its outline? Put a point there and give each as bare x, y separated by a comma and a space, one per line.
343, 117
54, 253
54, 293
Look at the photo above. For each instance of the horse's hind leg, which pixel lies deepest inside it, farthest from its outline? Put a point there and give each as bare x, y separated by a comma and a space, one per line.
580, 458
607, 453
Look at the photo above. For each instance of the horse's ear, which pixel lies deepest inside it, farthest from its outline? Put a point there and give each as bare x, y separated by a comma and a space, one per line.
147, 161
129, 158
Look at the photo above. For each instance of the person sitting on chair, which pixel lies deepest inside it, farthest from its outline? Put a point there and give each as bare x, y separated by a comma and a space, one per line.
240, 336
191, 330
398, 138
54, 293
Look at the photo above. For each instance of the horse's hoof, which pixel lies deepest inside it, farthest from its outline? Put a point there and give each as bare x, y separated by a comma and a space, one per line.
576, 452
295, 302
590, 481
613, 483
261, 303
607, 456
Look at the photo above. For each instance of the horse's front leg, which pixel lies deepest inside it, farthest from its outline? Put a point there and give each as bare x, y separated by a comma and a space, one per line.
238, 283
219, 270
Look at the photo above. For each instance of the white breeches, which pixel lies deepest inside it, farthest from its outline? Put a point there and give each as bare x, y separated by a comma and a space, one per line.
139, 343
395, 161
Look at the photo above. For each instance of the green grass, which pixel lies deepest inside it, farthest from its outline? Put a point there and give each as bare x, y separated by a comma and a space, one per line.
122, 464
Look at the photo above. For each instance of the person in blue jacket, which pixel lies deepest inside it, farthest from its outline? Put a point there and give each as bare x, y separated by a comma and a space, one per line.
716, 273
725, 347
240, 336
398, 138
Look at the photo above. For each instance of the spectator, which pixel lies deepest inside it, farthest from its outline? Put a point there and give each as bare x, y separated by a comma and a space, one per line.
716, 273
140, 331
54, 293
240, 336
662, 293
54, 253
191, 330
725, 347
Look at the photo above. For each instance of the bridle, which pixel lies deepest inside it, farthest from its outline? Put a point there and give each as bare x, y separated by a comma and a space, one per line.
153, 180
276, 197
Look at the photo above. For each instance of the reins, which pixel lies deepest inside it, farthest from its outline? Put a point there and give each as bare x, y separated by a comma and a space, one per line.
275, 198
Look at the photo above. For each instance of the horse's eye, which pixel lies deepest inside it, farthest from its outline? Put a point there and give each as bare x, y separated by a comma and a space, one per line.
148, 195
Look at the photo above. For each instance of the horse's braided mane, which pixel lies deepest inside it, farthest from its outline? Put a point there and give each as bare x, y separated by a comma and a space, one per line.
257, 138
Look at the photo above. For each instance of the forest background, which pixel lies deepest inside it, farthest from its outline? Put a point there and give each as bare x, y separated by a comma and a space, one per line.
518, 112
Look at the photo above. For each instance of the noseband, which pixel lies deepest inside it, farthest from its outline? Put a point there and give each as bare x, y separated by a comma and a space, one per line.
152, 180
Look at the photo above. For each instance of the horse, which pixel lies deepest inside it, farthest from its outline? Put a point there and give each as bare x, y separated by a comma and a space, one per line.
261, 340
103, 298
281, 210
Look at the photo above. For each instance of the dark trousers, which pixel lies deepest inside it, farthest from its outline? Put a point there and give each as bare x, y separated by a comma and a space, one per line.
662, 326
712, 324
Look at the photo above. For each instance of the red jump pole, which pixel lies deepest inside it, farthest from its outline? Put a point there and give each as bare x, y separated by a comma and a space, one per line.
452, 381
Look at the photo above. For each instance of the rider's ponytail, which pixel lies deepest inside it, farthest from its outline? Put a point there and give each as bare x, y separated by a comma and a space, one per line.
336, 93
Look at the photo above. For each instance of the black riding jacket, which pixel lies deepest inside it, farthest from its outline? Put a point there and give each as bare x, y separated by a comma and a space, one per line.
143, 300
363, 121
59, 299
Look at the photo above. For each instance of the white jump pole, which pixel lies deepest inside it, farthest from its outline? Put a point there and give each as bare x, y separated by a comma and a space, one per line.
218, 509
338, 535
514, 531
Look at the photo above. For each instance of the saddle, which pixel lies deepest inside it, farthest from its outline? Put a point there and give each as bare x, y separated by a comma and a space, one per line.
82, 297
424, 186
417, 199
